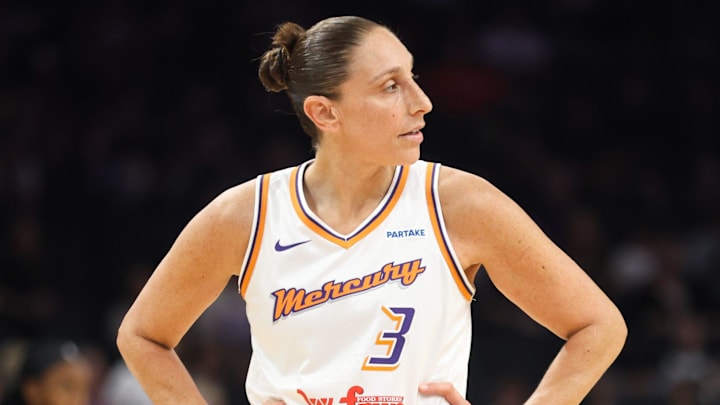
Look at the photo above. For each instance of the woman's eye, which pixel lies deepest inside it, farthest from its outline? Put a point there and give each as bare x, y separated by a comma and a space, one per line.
392, 87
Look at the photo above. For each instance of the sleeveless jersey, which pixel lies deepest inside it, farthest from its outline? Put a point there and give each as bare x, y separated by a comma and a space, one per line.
361, 318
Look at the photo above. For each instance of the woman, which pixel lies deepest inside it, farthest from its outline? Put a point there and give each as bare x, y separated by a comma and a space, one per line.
357, 267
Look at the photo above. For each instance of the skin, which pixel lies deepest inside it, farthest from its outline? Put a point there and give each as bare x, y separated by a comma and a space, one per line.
364, 136
62, 384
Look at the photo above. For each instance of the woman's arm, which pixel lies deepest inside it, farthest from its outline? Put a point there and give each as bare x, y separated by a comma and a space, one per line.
186, 282
487, 228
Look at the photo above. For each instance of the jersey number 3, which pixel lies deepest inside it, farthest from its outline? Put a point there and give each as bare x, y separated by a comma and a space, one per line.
394, 339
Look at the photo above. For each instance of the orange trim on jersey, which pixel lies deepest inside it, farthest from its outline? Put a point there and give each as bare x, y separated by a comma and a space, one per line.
256, 238
443, 242
369, 227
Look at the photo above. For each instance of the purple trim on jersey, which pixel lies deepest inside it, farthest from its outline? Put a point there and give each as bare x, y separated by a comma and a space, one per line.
443, 231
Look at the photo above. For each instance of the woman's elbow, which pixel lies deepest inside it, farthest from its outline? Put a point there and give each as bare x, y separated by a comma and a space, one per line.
616, 329
124, 338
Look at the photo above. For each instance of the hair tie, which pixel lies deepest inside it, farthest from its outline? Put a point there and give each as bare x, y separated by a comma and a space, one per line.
281, 57
282, 60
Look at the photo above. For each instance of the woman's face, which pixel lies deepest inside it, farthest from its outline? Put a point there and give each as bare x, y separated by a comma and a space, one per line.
381, 107
62, 384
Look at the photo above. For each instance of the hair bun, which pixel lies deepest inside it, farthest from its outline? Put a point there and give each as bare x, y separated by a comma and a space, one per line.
276, 62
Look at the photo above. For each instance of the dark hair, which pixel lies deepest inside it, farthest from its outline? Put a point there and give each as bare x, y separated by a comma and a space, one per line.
312, 62
39, 357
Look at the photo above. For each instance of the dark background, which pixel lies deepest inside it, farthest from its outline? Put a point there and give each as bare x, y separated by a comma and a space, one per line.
120, 119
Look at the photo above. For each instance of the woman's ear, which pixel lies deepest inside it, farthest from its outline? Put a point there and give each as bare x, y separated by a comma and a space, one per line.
320, 110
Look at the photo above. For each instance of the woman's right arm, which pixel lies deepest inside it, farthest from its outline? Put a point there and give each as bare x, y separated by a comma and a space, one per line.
198, 266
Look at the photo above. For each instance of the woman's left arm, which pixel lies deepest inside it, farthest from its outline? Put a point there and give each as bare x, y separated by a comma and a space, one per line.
488, 228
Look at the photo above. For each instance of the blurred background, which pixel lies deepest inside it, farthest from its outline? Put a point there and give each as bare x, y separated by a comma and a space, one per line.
120, 119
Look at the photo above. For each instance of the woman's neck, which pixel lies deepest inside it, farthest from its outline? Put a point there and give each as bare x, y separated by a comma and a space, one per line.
344, 193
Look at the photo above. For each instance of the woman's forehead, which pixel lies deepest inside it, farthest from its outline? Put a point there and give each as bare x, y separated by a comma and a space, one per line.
379, 51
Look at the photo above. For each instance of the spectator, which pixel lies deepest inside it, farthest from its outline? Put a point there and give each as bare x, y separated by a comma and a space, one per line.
52, 372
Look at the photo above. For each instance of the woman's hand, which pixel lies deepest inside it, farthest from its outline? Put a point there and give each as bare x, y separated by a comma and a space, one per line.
274, 402
445, 390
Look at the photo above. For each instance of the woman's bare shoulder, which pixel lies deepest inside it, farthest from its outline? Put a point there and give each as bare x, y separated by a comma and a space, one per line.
223, 226
479, 217
461, 190
231, 212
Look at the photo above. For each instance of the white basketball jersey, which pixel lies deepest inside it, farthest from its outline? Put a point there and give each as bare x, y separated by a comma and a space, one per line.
362, 318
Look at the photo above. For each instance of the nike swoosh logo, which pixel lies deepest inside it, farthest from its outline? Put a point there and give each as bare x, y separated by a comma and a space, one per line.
280, 248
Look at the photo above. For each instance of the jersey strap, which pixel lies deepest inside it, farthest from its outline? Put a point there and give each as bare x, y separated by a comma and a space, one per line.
438, 224
261, 197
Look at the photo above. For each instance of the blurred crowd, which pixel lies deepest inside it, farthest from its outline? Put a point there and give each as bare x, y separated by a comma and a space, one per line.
120, 119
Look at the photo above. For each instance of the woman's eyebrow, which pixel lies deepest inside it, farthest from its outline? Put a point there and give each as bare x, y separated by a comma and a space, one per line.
390, 71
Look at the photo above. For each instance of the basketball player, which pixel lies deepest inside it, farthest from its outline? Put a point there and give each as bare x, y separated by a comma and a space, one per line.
357, 266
